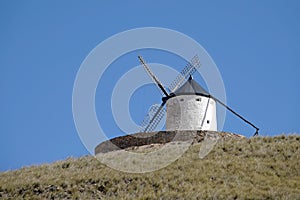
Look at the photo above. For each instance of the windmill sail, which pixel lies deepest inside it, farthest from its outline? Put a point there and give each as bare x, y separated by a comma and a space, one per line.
151, 112
154, 78
189, 69
152, 119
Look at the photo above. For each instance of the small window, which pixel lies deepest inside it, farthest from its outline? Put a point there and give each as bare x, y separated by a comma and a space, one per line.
198, 99
207, 121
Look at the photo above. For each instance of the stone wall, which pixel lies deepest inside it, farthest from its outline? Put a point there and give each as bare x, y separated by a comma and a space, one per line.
161, 137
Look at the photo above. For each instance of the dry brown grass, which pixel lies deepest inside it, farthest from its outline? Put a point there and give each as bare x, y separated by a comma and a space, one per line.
256, 168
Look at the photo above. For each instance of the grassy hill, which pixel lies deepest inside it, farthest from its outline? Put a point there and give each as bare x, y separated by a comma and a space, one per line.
256, 168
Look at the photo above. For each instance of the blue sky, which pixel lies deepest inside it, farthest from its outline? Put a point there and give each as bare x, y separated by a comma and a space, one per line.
255, 44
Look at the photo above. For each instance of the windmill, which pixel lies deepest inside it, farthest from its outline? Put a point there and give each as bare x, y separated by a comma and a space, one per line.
188, 105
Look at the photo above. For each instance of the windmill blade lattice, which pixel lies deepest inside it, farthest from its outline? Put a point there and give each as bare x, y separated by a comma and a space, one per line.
153, 77
189, 69
152, 119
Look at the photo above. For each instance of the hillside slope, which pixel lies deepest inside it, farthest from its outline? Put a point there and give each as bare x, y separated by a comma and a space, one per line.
256, 168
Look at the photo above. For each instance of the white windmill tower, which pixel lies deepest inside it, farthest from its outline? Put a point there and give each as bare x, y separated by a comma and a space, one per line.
191, 108
188, 105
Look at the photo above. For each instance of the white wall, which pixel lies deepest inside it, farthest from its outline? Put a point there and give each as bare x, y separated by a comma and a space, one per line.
186, 112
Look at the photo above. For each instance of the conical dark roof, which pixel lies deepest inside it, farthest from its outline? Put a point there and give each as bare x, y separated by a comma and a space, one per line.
191, 87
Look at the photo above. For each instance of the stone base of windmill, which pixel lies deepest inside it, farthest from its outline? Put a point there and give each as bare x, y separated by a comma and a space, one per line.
161, 137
